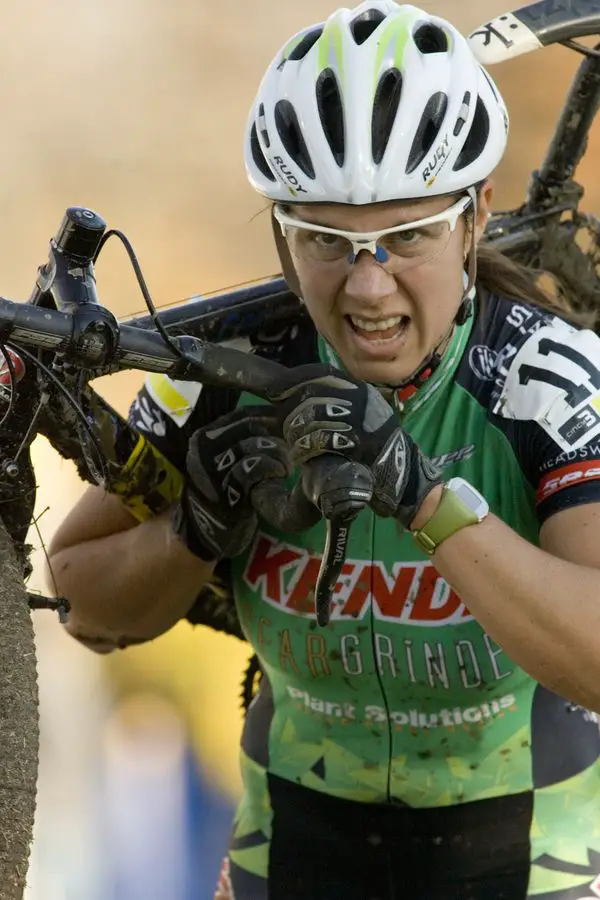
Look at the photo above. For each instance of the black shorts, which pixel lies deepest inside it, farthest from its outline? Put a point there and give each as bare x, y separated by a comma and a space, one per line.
324, 848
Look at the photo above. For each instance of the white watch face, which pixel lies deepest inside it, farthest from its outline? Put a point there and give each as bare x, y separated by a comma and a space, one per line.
469, 496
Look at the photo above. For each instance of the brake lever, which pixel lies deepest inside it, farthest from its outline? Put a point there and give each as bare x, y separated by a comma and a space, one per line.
340, 489
330, 488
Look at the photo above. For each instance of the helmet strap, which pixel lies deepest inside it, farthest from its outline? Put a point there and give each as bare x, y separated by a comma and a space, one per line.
466, 305
412, 384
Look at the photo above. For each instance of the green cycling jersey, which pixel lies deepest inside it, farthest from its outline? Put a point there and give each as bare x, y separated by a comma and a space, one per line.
404, 698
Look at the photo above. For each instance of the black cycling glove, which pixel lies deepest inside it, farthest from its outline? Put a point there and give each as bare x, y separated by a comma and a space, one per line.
327, 411
225, 460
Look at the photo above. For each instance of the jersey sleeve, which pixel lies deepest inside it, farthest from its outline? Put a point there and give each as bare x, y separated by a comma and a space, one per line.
167, 412
549, 408
161, 411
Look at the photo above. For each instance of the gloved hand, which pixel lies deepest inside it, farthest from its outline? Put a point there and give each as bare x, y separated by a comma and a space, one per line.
326, 411
225, 460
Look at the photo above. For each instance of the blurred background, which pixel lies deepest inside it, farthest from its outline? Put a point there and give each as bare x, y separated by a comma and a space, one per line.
137, 109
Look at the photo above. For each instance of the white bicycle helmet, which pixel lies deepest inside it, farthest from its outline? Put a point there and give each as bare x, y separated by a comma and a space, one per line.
381, 102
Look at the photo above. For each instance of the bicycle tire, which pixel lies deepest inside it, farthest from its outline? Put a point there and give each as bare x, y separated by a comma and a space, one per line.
19, 723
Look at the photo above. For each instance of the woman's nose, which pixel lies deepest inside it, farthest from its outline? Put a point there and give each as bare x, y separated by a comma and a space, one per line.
368, 280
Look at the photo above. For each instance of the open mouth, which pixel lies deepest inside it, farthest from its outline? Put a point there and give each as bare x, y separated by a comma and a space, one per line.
379, 331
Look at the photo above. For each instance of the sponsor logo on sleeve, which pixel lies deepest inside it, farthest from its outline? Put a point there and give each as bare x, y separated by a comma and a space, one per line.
567, 476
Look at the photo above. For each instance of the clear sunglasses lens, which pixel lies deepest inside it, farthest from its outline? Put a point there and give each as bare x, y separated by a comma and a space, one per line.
417, 244
317, 245
410, 247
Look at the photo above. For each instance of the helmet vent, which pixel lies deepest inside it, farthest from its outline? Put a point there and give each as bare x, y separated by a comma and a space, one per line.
463, 114
476, 139
363, 26
431, 39
263, 128
258, 156
428, 130
308, 41
288, 128
385, 107
331, 111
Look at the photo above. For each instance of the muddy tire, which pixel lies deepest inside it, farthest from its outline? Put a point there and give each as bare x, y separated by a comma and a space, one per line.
19, 724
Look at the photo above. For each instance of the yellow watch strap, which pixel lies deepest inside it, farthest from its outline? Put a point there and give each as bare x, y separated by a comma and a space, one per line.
450, 516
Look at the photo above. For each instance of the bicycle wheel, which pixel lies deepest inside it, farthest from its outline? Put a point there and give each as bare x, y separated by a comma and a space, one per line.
19, 724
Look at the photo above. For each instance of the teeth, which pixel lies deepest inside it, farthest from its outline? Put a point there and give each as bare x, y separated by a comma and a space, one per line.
379, 325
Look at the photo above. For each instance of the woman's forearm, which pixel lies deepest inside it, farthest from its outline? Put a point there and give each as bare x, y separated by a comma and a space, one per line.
132, 584
543, 611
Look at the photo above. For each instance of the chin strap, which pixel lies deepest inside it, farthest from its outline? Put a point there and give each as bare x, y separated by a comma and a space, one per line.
409, 388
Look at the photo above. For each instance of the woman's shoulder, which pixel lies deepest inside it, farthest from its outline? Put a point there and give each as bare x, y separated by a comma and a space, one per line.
528, 363
501, 320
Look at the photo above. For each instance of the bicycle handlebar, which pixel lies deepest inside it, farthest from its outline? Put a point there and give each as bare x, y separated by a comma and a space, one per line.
89, 335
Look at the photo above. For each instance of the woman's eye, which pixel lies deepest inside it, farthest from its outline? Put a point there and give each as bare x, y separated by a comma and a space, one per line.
407, 237
327, 240
403, 238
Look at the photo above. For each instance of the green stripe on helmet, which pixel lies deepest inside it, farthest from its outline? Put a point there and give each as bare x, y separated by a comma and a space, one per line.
331, 44
397, 31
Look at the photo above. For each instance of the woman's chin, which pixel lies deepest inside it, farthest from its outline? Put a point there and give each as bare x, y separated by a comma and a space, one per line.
380, 372
389, 368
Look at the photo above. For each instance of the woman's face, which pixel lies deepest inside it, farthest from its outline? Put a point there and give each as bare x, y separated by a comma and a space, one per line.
383, 318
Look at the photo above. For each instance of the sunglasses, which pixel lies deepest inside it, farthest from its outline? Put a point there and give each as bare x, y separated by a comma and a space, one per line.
410, 243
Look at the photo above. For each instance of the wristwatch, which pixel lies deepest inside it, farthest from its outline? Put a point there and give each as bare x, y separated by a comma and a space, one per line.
461, 505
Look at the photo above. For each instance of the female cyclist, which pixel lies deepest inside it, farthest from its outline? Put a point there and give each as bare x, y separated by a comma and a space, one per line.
437, 740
